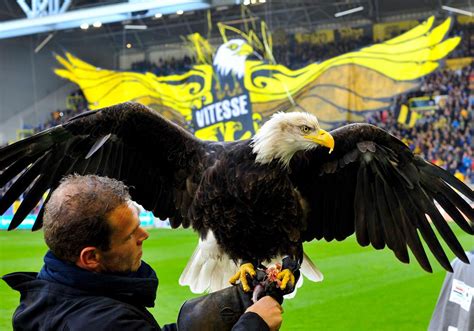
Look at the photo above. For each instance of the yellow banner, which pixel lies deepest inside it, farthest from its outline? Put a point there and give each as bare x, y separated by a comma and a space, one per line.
351, 33
459, 63
317, 37
231, 97
407, 117
280, 37
384, 31
464, 20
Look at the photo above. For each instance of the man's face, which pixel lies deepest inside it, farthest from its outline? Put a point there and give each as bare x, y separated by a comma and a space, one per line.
126, 241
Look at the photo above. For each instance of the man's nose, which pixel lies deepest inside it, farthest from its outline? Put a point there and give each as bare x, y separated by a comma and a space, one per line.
143, 234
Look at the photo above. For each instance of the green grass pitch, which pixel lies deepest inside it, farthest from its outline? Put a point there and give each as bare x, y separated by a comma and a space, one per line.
363, 289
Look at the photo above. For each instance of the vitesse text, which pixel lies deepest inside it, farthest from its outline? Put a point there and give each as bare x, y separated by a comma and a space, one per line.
222, 111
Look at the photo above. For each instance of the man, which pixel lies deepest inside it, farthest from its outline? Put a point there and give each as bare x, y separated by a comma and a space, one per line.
454, 310
93, 277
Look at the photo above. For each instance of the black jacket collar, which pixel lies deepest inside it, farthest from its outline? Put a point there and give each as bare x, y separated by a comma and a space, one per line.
136, 287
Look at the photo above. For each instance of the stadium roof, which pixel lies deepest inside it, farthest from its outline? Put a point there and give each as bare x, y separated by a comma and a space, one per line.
296, 15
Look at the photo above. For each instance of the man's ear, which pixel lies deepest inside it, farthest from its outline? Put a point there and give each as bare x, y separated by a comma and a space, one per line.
89, 259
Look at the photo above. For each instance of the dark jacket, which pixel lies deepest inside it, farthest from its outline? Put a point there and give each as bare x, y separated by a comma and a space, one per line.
65, 297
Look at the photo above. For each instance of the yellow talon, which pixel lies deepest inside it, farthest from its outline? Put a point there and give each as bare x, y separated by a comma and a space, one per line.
244, 270
286, 276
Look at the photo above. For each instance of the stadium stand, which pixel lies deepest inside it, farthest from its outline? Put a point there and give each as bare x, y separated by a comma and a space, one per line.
443, 135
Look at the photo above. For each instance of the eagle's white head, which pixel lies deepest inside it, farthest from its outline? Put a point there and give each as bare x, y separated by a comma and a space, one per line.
231, 56
287, 133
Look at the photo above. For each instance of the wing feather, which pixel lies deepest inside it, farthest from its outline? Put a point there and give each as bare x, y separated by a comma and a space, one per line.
130, 142
372, 185
39, 218
414, 242
373, 225
30, 200
396, 218
390, 236
361, 230
452, 211
23, 182
444, 230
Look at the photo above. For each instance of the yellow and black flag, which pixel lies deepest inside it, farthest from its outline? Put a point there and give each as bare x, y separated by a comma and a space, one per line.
229, 98
406, 116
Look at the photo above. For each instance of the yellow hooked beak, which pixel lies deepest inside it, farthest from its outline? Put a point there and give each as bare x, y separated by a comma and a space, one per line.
323, 138
246, 49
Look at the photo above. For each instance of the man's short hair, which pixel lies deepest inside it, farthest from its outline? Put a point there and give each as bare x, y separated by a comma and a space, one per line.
76, 214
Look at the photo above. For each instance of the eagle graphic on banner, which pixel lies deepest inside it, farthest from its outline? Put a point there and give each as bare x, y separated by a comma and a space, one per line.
229, 96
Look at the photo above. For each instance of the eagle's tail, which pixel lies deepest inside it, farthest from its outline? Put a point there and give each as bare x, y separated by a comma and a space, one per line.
310, 270
208, 269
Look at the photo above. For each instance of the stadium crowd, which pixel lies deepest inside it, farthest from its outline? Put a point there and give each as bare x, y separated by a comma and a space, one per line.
164, 67
444, 136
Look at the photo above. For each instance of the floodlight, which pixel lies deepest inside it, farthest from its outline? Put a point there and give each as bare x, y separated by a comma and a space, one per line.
457, 10
350, 11
135, 27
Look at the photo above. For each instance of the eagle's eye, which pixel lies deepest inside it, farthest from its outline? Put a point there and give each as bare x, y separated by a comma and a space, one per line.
233, 47
305, 129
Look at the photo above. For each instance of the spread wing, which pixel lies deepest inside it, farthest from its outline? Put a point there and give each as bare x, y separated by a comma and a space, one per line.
173, 96
157, 159
373, 186
340, 89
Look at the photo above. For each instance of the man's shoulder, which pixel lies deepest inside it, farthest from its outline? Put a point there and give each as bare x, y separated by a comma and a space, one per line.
30, 286
16, 279
61, 307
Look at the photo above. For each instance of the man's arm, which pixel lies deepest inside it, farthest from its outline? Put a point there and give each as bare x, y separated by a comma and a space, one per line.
230, 309
265, 314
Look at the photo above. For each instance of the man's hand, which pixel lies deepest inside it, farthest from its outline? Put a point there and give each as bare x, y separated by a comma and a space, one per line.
269, 310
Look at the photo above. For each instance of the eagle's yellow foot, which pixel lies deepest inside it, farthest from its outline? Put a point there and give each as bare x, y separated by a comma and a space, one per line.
286, 276
244, 270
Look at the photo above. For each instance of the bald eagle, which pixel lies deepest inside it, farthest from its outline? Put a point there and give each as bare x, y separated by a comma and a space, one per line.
231, 56
255, 200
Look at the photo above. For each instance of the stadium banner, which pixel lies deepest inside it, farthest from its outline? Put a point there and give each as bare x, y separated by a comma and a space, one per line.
459, 63
384, 31
319, 37
280, 37
465, 20
408, 114
350, 33
420, 104
147, 220
407, 117
229, 93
